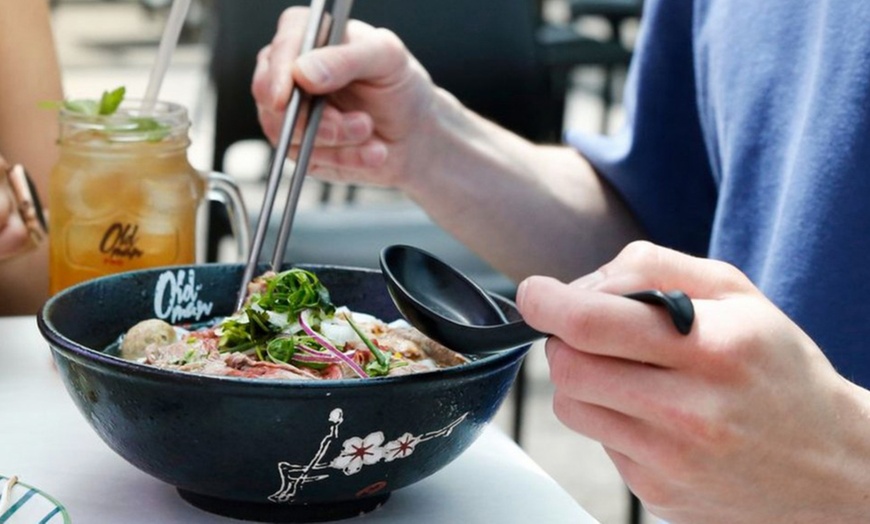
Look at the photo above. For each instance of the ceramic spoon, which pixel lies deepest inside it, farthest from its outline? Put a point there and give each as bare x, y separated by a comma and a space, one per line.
450, 308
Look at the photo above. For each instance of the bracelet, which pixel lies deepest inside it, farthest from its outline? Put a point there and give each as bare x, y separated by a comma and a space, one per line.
27, 200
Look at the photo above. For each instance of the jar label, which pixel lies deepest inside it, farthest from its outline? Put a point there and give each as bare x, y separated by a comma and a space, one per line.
120, 241
121, 245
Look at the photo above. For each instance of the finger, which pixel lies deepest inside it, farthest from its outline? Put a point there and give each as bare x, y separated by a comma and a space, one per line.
643, 265
7, 200
370, 155
650, 485
629, 436
600, 424
376, 57
624, 465
603, 323
14, 235
272, 79
261, 82
653, 394
336, 128
343, 129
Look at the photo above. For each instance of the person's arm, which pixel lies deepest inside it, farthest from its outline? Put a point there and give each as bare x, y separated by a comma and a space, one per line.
29, 75
525, 208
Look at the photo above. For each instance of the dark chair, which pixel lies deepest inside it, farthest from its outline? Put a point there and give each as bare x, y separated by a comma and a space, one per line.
495, 56
616, 13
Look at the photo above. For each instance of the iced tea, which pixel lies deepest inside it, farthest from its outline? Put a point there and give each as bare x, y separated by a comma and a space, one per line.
123, 195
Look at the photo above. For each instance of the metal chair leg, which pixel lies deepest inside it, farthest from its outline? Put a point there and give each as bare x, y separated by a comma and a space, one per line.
519, 403
635, 509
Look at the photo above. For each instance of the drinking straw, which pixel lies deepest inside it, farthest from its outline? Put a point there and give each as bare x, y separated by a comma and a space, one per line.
168, 42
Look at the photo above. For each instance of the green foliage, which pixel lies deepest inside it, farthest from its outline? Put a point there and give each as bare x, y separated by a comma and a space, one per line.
281, 323
108, 105
380, 366
292, 292
266, 314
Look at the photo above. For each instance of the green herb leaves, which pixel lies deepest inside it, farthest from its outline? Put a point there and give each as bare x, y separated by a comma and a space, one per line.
381, 365
111, 101
145, 128
108, 104
293, 291
274, 308
282, 321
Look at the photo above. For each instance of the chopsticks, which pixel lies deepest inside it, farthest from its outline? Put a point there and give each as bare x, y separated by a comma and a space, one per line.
339, 15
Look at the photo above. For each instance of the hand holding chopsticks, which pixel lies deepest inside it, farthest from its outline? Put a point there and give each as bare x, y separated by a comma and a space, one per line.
340, 13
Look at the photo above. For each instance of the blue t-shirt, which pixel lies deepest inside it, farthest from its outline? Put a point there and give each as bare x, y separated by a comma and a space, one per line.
747, 139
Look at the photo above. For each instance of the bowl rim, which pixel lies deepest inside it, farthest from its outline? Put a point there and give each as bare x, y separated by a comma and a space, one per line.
96, 358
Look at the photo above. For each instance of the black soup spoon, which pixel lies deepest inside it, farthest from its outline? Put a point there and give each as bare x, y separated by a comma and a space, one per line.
450, 308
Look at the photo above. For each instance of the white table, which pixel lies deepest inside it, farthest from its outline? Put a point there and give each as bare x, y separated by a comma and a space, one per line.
48, 444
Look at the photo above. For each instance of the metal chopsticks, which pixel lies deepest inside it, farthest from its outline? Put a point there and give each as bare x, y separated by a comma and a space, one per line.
339, 14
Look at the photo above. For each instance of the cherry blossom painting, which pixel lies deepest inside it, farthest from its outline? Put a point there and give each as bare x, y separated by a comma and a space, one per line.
356, 453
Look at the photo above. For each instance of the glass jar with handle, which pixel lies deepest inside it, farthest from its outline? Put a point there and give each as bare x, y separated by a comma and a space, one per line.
124, 195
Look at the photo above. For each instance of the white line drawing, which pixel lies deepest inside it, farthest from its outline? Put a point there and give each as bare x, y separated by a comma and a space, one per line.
356, 453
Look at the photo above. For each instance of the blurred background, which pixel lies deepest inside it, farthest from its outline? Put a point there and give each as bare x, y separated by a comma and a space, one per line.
535, 66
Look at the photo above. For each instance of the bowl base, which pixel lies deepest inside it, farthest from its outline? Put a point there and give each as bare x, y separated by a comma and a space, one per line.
284, 513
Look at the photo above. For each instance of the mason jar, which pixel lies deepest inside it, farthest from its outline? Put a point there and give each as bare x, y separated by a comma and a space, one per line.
124, 195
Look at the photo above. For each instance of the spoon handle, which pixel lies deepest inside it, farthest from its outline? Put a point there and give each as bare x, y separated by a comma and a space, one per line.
516, 333
678, 304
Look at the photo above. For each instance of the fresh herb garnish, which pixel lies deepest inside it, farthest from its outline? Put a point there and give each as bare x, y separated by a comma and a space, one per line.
281, 349
351, 363
108, 105
265, 314
280, 324
381, 365
111, 101
294, 291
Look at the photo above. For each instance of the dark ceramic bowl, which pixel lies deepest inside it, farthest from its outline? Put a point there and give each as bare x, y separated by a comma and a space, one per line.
264, 449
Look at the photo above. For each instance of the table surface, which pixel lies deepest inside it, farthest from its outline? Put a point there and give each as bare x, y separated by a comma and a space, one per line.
47, 443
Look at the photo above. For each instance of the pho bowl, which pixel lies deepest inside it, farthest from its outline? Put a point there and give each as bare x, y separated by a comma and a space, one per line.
264, 450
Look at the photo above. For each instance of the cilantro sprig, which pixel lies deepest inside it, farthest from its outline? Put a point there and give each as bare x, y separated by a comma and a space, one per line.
294, 291
280, 323
267, 313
